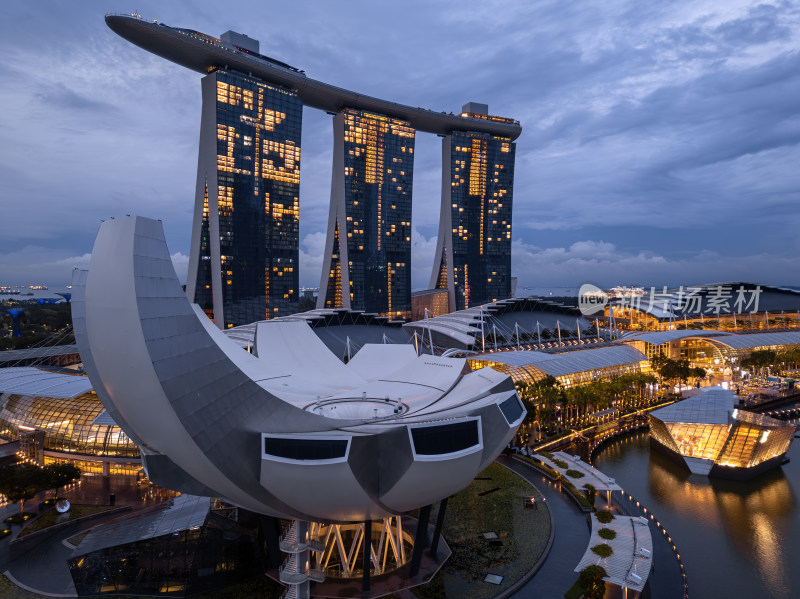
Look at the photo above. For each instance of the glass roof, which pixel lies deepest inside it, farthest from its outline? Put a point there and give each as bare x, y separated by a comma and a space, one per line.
760, 340
568, 362
713, 406
180, 513
36, 382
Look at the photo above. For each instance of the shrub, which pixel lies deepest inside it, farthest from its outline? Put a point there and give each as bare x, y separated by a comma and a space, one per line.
574, 473
604, 516
603, 550
572, 489
607, 533
4, 532
546, 454
19, 518
561, 463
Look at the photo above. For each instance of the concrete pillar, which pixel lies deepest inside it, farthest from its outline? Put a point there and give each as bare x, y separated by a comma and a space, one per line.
420, 539
437, 533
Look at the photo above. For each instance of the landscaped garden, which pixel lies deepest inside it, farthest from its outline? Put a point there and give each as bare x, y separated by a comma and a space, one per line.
492, 503
52, 517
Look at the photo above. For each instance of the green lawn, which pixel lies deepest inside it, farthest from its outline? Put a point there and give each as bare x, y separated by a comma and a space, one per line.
53, 517
523, 533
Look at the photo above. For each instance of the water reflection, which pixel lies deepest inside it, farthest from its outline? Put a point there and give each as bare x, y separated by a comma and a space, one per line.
717, 523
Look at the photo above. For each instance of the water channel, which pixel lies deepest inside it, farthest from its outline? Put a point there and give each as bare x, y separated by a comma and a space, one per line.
736, 539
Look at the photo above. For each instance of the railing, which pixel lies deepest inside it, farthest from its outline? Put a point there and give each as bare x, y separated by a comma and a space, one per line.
300, 576
627, 504
131, 15
616, 432
289, 593
289, 543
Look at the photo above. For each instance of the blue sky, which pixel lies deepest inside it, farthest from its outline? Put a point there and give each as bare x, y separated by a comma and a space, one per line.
660, 141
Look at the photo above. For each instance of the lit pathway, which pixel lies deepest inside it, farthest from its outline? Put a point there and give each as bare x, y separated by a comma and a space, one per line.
571, 537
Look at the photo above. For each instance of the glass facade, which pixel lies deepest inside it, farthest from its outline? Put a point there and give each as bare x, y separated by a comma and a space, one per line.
203, 296
746, 441
257, 130
434, 301
481, 194
182, 563
67, 425
376, 224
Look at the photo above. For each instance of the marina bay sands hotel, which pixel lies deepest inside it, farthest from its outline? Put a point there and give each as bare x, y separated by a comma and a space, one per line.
245, 236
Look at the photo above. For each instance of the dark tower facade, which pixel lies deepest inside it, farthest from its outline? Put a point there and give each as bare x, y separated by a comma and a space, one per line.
473, 253
245, 240
367, 263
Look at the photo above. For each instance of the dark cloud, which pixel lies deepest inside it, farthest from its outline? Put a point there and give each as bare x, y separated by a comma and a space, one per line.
670, 130
61, 97
763, 24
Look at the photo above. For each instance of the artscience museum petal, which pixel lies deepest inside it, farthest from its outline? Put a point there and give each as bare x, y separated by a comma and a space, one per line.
288, 430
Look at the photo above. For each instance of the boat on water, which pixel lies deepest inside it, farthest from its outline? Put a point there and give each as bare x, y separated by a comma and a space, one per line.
38, 287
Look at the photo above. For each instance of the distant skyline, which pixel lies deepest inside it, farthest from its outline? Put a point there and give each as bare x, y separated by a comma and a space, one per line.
660, 143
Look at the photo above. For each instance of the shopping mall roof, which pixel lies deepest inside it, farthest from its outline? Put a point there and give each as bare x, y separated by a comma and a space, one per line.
629, 564
525, 315
692, 300
566, 363
659, 337
760, 340
36, 382
17, 355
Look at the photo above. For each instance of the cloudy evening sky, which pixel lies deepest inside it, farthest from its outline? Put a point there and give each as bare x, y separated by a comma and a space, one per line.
660, 144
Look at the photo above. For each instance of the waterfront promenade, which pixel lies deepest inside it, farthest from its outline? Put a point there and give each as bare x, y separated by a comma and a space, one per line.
572, 534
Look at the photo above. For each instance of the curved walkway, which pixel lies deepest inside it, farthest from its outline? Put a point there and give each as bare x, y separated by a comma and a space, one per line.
557, 573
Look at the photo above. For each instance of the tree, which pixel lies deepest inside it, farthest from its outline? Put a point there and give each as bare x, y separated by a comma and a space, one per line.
21, 483
60, 475
760, 359
540, 398
591, 579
